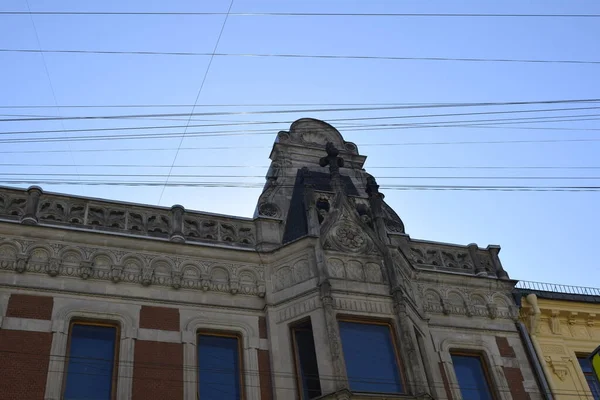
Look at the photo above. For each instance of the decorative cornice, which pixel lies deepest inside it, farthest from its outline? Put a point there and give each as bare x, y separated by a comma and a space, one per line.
121, 265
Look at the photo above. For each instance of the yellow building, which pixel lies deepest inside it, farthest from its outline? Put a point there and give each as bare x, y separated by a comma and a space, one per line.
564, 327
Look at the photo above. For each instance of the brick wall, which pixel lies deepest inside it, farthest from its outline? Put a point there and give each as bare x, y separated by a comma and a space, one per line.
24, 358
163, 318
28, 306
513, 375
157, 371
264, 370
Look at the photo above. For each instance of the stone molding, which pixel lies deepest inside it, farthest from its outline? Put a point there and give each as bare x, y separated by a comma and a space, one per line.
192, 322
363, 306
447, 300
297, 309
489, 350
121, 265
65, 310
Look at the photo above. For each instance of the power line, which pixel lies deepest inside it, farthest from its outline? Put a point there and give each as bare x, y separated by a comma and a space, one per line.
37, 38
553, 167
238, 123
242, 185
197, 97
137, 175
303, 14
355, 128
242, 123
582, 140
315, 56
316, 110
215, 105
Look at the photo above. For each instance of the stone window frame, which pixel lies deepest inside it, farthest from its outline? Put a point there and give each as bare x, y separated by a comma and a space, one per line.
115, 362
292, 328
92, 311
395, 338
249, 341
491, 357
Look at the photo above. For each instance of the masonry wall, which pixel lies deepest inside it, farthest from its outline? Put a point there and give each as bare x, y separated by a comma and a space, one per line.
561, 331
156, 351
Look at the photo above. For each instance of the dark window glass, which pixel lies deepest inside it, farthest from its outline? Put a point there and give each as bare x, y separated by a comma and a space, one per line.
471, 377
371, 362
306, 358
218, 368
590, 377
91, 362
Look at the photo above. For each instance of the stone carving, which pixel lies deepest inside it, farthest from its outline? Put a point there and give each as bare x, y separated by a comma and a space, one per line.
559, 366
350, 237
297, 309
287, 276
154, 224
354, 270
315, 133
85, 269
103, 217
12, 206
469, 302
440, 257
148, 269
49, 209
269, 210
363, 306
196, 229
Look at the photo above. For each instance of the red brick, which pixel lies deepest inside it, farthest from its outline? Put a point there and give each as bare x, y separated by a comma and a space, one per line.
164, 318
24, 367
505, 348
262, 328
514, 377
29, 306
264, 371
157, 371
446, 382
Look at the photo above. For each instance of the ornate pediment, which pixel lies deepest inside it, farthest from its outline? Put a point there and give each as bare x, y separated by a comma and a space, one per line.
344, 231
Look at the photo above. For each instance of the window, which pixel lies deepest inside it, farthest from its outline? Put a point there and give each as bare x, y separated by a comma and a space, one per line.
372, 362
219, 376
91, 372
592, 381
306, 361
472, 376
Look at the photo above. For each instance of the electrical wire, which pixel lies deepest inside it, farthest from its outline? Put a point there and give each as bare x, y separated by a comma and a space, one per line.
147, 366
242, 123
302, 56
245, 185
137, 175
197, 97
301, 14
316, 110
137, 149
553, 167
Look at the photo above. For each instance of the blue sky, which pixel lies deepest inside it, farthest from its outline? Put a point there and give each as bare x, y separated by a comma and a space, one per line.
545, 236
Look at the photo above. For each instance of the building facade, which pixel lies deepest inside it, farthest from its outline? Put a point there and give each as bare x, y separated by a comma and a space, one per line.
322, 294
563, 323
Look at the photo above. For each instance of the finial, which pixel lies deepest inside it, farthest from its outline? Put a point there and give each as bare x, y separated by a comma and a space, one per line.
332, 159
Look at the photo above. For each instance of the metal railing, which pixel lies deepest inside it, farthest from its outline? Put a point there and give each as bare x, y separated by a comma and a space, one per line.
558, 288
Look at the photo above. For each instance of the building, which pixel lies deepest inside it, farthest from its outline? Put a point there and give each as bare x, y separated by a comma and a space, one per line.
321, 294
563, 324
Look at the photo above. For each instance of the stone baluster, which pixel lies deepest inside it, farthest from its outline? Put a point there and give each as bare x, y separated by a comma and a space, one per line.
31, 207
176, 234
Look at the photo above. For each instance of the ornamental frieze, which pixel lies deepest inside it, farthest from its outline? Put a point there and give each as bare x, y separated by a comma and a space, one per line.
115, 265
